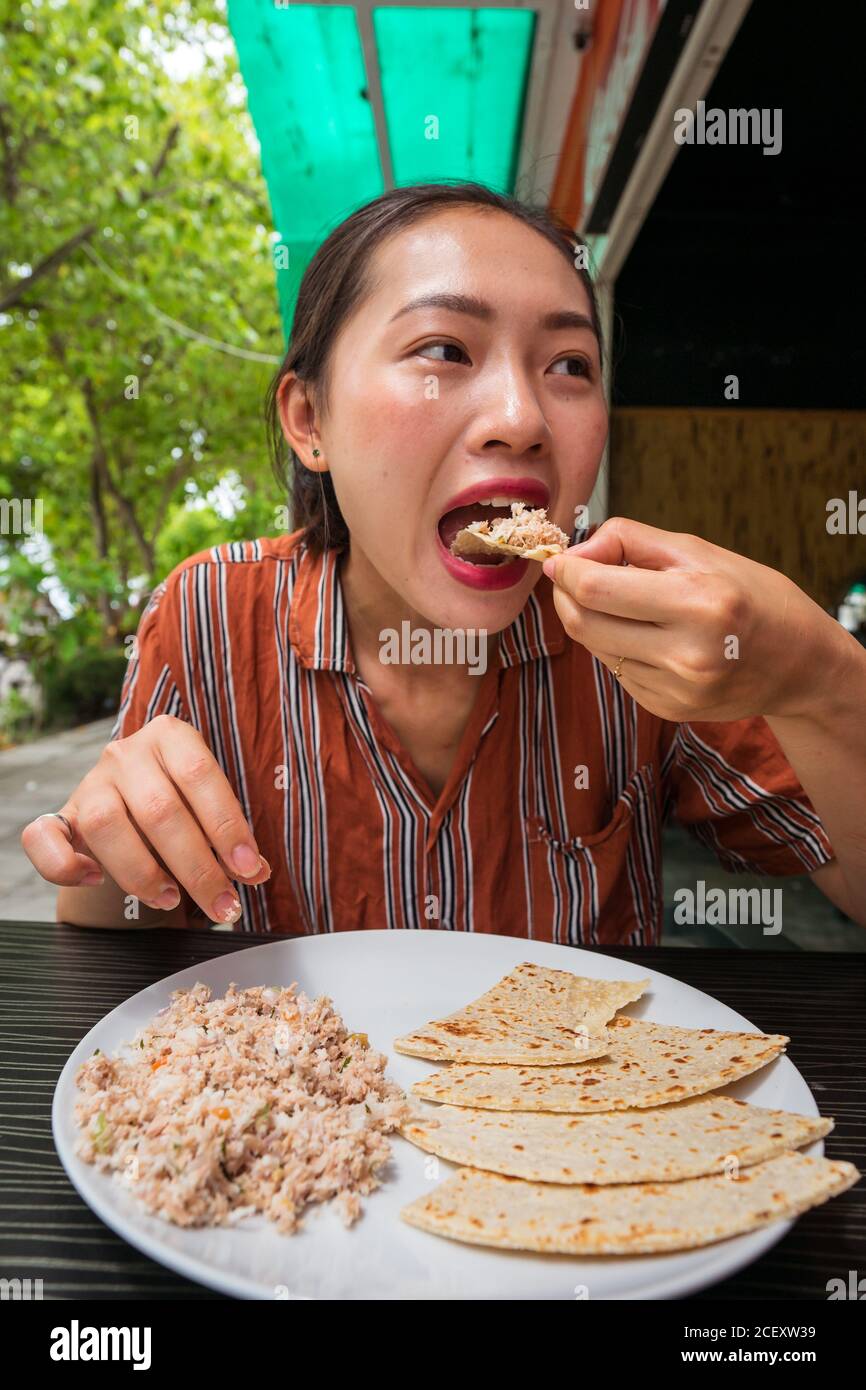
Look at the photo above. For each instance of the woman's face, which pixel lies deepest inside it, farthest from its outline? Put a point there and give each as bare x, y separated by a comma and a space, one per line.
439, 405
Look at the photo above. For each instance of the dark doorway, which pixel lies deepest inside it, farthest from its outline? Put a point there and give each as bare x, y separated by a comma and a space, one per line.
751, 263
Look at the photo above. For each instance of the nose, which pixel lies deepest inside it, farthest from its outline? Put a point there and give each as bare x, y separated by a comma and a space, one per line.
508, 414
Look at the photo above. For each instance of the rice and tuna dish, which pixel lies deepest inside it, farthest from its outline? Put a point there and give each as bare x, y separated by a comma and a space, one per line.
260, 1101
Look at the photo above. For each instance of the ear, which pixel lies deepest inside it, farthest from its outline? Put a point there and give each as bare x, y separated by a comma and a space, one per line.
297, 418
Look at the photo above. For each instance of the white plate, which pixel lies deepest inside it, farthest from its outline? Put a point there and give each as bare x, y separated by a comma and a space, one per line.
386, 983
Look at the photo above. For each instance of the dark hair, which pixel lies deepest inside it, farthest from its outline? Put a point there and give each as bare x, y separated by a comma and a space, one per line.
334, 284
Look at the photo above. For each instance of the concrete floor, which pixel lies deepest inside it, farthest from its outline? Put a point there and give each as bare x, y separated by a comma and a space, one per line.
38, 776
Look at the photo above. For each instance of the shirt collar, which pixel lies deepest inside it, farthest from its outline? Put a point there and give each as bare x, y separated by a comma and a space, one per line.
319, 633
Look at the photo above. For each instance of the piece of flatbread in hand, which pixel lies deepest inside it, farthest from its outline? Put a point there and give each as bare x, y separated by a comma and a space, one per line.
628, 1218
647, 1064
535, 1014
703, 1135
527, 533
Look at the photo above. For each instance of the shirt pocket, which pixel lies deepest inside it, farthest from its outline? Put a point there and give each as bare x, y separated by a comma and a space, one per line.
602, 887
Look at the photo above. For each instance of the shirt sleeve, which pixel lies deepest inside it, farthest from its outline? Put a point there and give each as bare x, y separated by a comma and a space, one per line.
149, 686
732, 787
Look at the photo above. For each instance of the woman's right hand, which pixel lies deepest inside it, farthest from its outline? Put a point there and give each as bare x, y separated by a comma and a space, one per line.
158, 792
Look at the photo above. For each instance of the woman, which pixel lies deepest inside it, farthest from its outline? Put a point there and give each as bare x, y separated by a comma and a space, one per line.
445, 361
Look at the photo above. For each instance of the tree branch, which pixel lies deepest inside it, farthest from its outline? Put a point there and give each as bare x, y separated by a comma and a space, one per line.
10, 163
176, 476
169, 143
124, 506
13, 293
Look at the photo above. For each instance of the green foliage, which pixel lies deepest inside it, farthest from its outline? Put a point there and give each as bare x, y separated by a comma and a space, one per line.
130, 197
16, 719
84, 687
190, 530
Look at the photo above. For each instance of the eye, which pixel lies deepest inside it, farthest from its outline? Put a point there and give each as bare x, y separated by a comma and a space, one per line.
582, 369
427, 349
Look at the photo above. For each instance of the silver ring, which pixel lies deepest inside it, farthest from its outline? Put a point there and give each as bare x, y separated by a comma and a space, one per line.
59, 816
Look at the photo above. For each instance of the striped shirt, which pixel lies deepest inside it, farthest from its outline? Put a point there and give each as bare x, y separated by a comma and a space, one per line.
549, 824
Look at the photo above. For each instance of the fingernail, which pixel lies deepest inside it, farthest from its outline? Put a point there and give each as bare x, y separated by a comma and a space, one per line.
90, 878
549, 567
227, 908
245, 860
169, 897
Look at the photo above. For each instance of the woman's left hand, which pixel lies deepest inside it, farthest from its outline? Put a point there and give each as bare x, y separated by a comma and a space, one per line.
704, 632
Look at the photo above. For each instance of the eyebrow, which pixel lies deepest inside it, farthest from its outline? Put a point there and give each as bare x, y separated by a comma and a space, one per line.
480, 309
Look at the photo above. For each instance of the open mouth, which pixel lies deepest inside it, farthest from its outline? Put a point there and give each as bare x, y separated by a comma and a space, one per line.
455, 520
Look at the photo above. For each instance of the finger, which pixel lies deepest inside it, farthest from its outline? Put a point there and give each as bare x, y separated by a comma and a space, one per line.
260, 875
105, 823
635, 671
46, 843
192, 767
620, 540
161, 815
656, 701
659, 596
648, 687
599, 632
123, 840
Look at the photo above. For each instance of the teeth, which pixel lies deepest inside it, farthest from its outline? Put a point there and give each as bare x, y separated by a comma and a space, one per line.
499, 501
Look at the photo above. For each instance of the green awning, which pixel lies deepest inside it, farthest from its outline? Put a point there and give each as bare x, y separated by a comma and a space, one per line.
458, 74
304, 74
452, 84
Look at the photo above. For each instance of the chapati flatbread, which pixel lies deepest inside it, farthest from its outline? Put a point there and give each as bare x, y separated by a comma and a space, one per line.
648, 1064
527, 532
685, 1140
629, 1218
534, 1014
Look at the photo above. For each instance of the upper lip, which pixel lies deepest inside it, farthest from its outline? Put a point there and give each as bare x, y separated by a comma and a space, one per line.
520, 489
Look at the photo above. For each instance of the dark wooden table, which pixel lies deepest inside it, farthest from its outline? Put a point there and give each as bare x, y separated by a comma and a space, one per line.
56, 982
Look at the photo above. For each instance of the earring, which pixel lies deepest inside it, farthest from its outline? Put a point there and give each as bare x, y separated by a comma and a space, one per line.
315, 453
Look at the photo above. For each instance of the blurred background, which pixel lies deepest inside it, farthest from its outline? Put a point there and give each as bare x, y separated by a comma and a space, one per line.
168, 169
